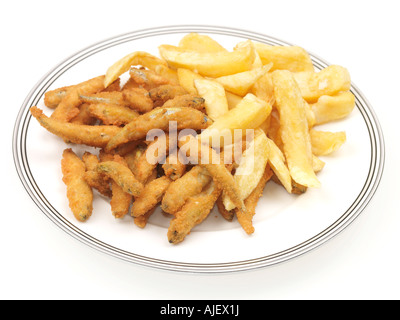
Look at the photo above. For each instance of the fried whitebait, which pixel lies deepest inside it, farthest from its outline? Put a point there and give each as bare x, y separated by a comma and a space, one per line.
159, 118
95, 136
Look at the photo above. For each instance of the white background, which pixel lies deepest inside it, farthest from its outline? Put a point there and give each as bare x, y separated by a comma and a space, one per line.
39, 261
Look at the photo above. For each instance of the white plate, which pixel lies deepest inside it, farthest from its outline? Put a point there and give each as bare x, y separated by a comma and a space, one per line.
285, 225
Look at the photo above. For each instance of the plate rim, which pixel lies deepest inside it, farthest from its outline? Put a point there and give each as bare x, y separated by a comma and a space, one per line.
21, 162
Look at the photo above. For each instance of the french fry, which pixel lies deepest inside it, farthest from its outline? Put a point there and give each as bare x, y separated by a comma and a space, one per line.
318, 164
233, 99
240, 83
135, 58
245, 218
168, 73
263, 88
213, 92
251, 167
325, 142
292, 58
200, 43
277, 160
211, 64
186, 79
294, 128
329, 81
331, 108
250, 113
257, 63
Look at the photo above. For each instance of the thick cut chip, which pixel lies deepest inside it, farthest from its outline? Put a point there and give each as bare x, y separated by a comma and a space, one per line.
331, 108
329, 81
251, 167
263, 88
325, 142
240, 83
135, 58
294, 129
200, 43
249, 113
233, 99
292, 58
276, 160
211, 64
186, 79
215, 99
167, 73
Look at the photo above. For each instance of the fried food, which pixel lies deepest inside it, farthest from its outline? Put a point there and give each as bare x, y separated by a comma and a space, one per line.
135, 98
326, 142
53, 98
190, 184
210, 64
112, 114
107, 97
251, 167
194, 211
122, 175
152, 194
200, 126
123, 65
84, 116
173, 167
200, 43
213, 92
329, 81
227, 215
276, 161
294, 129
138, 99
159, 118
240, 83
291, 58
93, 177
94, 136
186, 101
120, 201
250, 113
332, 108
186, 79
207, 158
147, 79
79, 193
162, 94
68, 108
154, 154
245, 218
